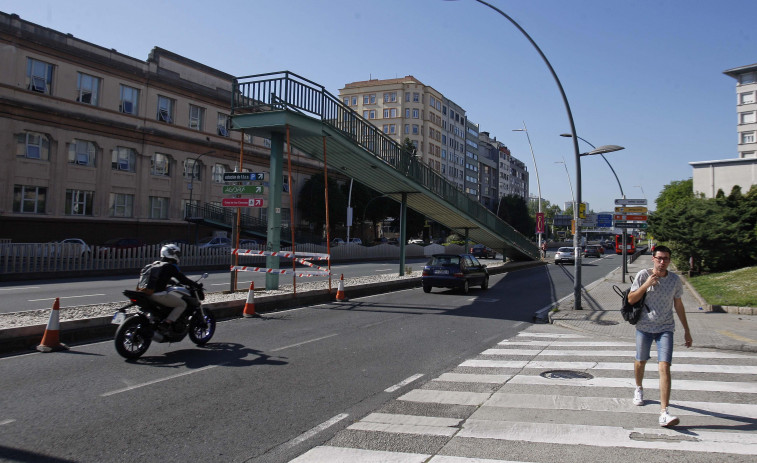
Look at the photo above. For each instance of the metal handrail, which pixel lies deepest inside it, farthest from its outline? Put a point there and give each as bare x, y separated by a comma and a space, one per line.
288, 91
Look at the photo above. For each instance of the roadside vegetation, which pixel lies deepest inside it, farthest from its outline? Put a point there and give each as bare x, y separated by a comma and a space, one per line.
735, 288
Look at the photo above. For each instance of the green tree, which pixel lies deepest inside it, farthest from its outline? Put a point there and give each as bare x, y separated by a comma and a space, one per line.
312, 203
514, 210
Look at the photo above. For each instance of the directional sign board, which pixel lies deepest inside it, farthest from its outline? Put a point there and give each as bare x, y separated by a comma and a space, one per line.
242, 176
243, 189
630, 217
630, 202
604, 220
641, 225
631, 210
242, 202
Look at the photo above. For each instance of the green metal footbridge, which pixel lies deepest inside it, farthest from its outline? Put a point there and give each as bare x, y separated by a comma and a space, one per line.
284, 105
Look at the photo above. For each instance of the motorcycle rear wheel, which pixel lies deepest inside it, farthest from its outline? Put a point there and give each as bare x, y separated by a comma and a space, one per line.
202, 328
133, 338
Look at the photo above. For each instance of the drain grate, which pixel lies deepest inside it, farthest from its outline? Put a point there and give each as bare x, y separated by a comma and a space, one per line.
566, 374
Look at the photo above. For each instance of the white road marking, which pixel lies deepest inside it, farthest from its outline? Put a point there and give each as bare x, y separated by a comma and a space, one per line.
155, 381
312, 432
11, 288
412, 420
611, 353
473, 378
380, 270
611, 436
651, 383
403, 383
304, 342
404, 429
64, 297
449, 459
445, 397
4, 422
324, 454
551, 335
568, 344
495, 363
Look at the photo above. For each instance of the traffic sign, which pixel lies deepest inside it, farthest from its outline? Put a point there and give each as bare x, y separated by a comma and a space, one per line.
632, 210
604, 220
242, 176
631, 202
242, 202
243, 189
641, 225
631, 217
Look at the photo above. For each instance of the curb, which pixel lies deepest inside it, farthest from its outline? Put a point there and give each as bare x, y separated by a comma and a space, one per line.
26, 338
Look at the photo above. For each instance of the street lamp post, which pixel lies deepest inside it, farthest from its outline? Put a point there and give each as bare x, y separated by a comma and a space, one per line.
538, 184
191, 184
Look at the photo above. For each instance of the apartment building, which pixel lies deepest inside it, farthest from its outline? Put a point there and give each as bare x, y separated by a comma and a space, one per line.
453, 125
97, 144
724, 174
472, 164
489, 170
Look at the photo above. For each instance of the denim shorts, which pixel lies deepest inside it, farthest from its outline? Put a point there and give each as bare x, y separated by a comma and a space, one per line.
664, 342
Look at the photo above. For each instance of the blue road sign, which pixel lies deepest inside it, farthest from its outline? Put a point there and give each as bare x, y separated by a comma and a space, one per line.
604, 220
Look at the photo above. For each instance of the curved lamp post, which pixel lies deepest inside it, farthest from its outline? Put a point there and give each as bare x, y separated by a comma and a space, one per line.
538, 184
192, 180
603, 157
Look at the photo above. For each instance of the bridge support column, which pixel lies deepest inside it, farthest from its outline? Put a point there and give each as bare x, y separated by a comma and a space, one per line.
275, 183
403, 232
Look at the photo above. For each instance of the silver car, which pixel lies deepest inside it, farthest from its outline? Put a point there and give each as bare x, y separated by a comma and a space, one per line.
565, 255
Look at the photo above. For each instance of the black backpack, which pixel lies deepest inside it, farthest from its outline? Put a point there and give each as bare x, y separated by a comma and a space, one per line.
148, 276
630, 313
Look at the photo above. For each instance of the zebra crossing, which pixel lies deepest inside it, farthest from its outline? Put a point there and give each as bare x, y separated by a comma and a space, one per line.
551, 395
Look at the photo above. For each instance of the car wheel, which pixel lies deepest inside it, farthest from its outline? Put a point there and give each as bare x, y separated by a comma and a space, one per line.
485, 284
466, 287
426, 289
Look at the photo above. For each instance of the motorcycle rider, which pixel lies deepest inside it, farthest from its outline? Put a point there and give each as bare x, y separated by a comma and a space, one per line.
167, 270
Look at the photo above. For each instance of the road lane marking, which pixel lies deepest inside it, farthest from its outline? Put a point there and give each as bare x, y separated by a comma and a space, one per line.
321, 427
64, 297
304, 342
11, 288
326, 453
155, 381
403, 383
4, 422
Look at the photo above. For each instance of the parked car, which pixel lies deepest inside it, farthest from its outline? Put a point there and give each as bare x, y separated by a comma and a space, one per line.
356, 241
592, 251
214, 242
564, 255
337, 242
480, 250
77, 245
457, 271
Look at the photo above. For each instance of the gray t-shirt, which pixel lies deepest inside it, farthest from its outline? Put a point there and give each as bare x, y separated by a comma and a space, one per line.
660, 302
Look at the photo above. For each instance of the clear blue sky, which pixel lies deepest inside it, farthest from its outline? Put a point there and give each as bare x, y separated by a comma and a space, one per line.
643, 74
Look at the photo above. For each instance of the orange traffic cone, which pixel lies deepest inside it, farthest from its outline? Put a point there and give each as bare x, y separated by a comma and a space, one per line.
51, 340
340, 297
249, 306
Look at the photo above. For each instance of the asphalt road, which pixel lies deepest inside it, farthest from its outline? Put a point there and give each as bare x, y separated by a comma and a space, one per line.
40, 294
265, 389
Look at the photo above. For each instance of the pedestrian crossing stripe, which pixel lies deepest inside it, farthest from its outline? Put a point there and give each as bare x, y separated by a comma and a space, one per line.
612, 353
651, 383
325, 454
625, 366
551, 335
569, 343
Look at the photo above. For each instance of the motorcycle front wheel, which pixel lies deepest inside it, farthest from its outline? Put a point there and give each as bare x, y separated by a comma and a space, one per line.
133, 338
202, 327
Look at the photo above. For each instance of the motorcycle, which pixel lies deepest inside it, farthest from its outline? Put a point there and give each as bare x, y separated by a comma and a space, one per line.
137, 331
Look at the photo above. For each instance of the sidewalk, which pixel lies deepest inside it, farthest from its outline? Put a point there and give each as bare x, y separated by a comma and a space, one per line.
601, 315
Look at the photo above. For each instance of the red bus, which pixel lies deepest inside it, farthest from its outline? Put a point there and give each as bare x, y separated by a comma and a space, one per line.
630, 244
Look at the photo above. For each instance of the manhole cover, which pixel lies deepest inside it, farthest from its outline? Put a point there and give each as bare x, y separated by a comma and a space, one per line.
605, 322
565, 374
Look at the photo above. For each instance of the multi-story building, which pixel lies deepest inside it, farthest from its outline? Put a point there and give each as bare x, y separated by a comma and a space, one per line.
724, 174
471, 160
97, 144
488, 156
454, 127
402, 108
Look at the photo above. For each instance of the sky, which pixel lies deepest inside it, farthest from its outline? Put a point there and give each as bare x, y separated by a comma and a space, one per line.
646, 75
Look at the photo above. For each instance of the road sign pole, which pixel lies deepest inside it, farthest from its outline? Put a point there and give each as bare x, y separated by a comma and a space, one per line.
625, 240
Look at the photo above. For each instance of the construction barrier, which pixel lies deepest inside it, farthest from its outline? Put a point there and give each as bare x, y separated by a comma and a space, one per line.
305, 260
249, 305
340, 297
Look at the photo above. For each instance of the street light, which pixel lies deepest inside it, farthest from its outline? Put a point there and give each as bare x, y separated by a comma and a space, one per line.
603, 157
192, 179
538, 184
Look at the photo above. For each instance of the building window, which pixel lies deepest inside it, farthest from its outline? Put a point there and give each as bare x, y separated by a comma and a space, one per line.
747, 78
390, 97
746, 98
124, 159
407, 129
747, 137
129, 100
369, 114
88, 88
160, 164
79, 202
192, 169
390, 113
354, 100
416, 97
747, 118
218, 171
416, 114
415, 129
39, 76
369, 99
121, 205
29, 199
165, 109
196, 116
748, 154
81, 152
223, 124
158, 207
33, 145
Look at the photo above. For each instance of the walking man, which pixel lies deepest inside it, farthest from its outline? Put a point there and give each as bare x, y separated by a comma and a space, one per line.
664, 291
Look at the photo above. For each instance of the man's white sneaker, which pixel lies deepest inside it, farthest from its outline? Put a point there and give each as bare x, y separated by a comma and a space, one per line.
667, 420
638, 396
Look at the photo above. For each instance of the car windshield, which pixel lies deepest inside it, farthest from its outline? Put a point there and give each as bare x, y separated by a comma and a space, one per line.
445, 260
565, 250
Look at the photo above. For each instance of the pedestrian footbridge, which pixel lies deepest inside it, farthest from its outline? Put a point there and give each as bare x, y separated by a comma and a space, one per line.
279, 105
